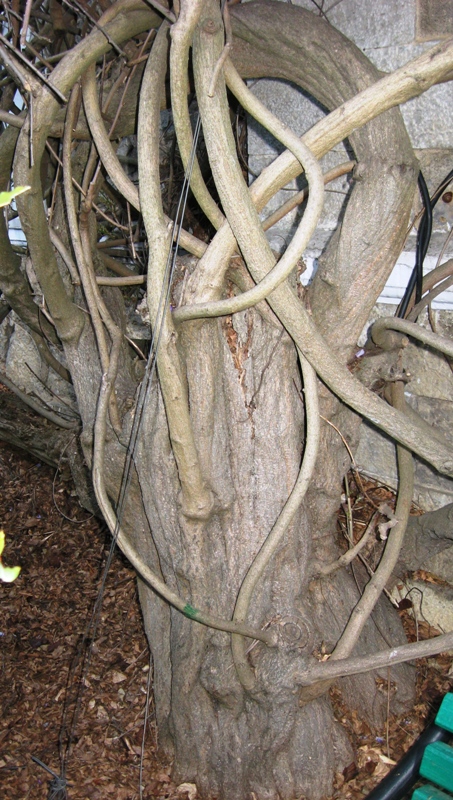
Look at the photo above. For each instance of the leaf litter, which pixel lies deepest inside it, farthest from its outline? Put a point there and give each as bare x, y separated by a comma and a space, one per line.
44, 615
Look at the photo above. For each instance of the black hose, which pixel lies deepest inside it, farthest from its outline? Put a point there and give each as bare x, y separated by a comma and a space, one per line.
423, 239
424, 236
406, 773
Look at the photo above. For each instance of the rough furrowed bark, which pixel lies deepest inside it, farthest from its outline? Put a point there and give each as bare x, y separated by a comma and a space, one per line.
348, 263
212, 722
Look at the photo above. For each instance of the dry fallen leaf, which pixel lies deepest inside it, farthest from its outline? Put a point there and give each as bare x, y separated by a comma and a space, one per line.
387, 760
117, 677
188, 788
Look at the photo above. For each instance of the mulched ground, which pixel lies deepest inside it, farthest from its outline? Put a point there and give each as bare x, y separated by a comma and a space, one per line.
43, 621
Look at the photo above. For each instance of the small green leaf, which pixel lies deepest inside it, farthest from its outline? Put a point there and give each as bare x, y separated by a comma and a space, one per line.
7, 574
190, 611
6, 197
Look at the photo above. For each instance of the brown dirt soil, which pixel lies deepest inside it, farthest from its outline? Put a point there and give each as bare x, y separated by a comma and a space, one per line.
43, 627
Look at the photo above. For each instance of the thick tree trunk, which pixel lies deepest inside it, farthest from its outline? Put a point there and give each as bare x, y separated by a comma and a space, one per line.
244, 388
248, 417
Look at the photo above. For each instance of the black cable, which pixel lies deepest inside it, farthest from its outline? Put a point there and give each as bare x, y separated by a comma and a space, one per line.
423, 240
423, 237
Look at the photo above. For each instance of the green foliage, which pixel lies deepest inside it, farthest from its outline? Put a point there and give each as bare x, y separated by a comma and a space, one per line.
7, 574
7, 197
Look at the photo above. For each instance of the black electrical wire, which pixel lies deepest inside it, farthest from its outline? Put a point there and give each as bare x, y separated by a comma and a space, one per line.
424, 236
423, 240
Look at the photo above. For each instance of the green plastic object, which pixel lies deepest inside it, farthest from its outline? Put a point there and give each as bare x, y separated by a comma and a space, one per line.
430, 793
444, 718
437, 764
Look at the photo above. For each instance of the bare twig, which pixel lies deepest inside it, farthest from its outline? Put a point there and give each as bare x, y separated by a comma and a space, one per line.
300, 197
133, 280
32, 68
240, 211
65, 255
98, 311
30, 129
385, 324
162, 10
408, 81
330, 670
25, 23
349, 556
110, 159
38, 407
196, 497
14, 68
11, 119
83, 10
79, 188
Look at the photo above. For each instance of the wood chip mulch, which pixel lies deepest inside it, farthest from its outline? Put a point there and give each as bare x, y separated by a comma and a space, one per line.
43, 629
44, 617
